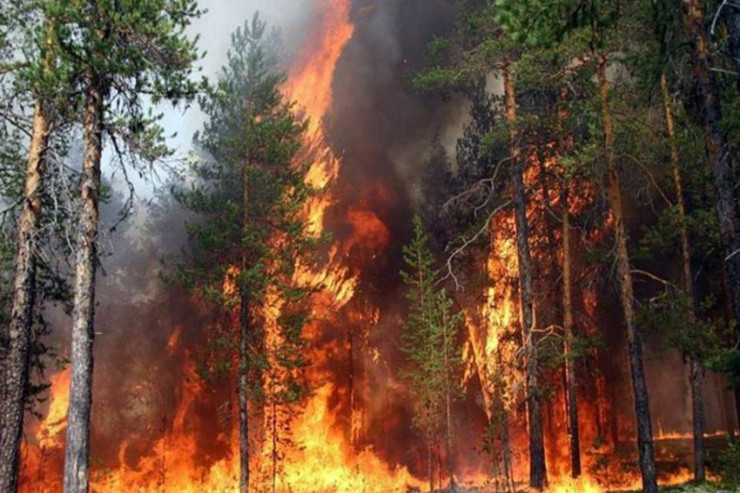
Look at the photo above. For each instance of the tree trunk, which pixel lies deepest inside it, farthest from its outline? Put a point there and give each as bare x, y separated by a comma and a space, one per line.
243, 392
244, 343
571, 397
76, 461
695, 371
717, 151
448, 411
634, 342
537, 467
15, 367
696, 374
731, 16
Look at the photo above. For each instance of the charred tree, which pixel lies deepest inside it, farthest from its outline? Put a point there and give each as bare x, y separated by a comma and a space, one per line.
537, 466
634, 340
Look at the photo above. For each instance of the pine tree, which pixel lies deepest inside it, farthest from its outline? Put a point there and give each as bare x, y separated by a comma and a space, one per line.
125, 56
718, 151
35, 78
543, 24
16, 358
481, 48
250, 193
429, 341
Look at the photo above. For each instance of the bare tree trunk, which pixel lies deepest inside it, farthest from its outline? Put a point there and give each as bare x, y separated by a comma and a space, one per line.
244, 343
76, 460
634, 342
731, 16
15, 366
448, 412
571, 397
537, 467
717, 150
695, 371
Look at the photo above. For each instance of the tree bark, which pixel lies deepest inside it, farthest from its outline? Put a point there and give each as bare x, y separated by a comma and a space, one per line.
77, 452
571, 397
537, 466
244, 342
634, 340
15, 381
731, 17
717, 150
695, 370
448, 410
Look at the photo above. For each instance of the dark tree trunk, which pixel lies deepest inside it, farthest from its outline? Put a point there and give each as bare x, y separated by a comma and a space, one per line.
448, 403
731, 16
696, 377
243, 393
634, 341
695, 371
76, 461
717, 150
15, 366
244, 335
537, 467
571, 397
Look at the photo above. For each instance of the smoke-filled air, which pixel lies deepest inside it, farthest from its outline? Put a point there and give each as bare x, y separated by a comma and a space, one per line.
369, 246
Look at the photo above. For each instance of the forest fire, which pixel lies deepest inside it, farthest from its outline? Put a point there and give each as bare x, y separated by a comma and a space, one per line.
355, 432
322, 458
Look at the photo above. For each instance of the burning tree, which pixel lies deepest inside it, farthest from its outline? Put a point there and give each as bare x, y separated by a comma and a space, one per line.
250, 194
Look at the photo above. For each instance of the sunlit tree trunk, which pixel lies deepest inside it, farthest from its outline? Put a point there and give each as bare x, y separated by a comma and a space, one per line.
717, 150
624, 274
695, 370
537, 467
80, 395
15, 366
